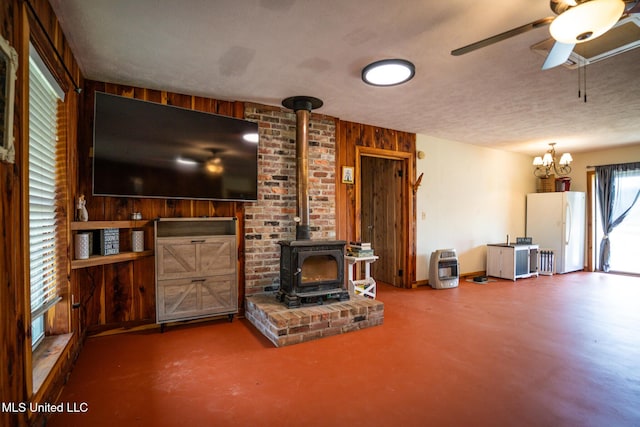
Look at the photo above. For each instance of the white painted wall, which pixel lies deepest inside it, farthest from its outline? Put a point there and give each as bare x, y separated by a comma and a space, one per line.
595, 158
470, 196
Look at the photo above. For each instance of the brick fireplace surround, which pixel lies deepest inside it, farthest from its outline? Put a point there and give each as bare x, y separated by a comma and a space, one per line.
285, 326
270, 220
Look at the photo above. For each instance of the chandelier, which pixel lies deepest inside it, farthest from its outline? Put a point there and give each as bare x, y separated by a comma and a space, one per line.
547, 164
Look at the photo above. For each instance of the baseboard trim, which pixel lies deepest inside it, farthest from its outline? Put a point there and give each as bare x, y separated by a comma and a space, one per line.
472, 274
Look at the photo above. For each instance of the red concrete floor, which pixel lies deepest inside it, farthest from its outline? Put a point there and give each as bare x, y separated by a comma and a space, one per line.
559, 351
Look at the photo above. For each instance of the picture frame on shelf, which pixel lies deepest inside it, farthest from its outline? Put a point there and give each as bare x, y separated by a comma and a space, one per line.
347, 175
8, 67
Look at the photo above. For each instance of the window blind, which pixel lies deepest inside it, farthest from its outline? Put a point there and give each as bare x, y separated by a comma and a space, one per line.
43, 180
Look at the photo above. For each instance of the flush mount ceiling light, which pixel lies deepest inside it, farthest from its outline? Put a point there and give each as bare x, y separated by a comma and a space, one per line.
586, 21
388, 72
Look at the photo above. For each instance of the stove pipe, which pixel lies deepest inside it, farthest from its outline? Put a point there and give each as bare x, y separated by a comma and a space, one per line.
302, 105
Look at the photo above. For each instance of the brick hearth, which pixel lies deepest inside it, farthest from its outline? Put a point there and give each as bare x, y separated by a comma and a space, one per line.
284, 326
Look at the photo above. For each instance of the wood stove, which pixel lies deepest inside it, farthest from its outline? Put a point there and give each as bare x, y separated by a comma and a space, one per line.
311, 272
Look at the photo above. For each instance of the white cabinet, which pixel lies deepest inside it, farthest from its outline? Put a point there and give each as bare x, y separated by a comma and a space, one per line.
196, 268
512, 261
499, 260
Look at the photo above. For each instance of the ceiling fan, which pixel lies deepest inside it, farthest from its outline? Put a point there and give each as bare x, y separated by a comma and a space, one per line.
577, 21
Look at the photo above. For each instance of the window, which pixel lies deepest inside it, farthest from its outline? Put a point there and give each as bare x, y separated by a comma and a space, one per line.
45, 98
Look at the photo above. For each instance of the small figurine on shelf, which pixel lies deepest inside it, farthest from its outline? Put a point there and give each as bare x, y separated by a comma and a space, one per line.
83, 215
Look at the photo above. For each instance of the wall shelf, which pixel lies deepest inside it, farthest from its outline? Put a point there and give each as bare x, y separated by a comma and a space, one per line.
99, 225
109, 259
94, 260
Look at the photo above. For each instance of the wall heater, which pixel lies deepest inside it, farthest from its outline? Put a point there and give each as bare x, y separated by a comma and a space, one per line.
444, 269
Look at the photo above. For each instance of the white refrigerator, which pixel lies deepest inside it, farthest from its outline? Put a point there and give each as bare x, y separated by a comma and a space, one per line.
557, 221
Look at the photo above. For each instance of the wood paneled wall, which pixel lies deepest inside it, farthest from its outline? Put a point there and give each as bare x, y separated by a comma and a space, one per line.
19, 26
118, 294
354, 140
12, 303
123, 294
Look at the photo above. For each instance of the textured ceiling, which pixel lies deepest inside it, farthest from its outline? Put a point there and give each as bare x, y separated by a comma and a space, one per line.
266, 50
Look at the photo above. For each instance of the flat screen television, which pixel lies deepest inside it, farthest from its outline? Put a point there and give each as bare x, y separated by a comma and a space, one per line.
145, 149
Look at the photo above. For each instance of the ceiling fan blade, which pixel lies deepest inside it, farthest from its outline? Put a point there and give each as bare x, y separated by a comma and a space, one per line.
632, 7
503, 36
558, 55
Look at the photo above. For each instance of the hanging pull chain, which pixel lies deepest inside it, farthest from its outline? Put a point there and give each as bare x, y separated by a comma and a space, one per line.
579, 79
584, 74
582, 80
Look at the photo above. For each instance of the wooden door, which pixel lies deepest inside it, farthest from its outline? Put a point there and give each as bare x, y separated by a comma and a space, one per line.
382, 223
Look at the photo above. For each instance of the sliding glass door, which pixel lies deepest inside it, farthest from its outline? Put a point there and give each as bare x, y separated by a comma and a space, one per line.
625, 238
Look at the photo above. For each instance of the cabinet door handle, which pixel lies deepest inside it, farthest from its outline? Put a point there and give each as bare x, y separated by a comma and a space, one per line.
198, 280
198, 241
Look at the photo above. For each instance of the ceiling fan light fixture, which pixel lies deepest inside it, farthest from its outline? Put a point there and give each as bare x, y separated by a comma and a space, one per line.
388, 72
214, 166
586, 21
